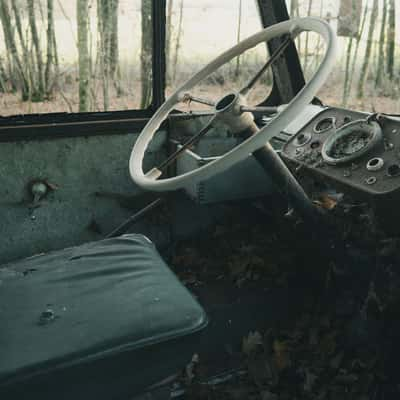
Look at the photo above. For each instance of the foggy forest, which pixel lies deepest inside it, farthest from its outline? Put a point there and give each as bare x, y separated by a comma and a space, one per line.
96, 55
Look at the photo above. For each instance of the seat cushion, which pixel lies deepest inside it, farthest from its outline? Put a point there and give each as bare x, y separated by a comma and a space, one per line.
103, 320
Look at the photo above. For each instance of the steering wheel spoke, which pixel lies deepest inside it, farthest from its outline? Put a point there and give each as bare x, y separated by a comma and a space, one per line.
155, 173
260, 109
278, 52
188, 98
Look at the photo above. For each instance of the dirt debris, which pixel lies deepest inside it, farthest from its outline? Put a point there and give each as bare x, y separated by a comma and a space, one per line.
343, 343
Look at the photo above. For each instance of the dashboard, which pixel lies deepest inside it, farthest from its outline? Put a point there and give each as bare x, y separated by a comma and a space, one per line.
356, 152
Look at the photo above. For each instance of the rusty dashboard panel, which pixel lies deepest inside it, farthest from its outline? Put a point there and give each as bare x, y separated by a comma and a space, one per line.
355, 151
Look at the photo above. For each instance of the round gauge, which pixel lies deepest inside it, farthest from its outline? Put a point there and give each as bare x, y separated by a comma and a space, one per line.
350, 144
351, 141
324, 125
302, 139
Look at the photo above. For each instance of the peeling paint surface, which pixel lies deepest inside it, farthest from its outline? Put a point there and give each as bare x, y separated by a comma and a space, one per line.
78, 169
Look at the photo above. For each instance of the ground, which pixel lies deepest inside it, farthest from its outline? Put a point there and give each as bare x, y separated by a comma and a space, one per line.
339, 342
65, 99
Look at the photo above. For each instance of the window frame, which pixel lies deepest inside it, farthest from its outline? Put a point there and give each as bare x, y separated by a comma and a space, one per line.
288, 67
64, 124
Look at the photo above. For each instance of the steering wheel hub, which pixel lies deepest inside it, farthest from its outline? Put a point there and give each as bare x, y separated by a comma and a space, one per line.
226, 102
229, 110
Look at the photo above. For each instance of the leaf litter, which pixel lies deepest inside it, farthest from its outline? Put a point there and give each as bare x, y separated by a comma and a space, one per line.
343, 342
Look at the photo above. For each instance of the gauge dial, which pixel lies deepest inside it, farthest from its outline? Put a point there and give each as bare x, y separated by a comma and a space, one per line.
324, 125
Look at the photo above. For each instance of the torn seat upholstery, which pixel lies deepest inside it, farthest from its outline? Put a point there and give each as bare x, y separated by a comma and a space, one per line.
100, 321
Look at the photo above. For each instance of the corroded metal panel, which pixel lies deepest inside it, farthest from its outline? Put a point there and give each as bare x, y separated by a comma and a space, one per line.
91, 193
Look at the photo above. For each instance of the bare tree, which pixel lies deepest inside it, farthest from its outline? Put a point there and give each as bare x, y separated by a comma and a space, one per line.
347, 70
178, 41
355, 56
381, 51
3, 78
14, 60
237, 69
169, 32
367, 56
294, 8
114, 45
107, 17
51, 47
349, 30
82, 11
103, 48
146, 53
17, 17
38, 92
391, 33
310, 4
26, 64
294, 13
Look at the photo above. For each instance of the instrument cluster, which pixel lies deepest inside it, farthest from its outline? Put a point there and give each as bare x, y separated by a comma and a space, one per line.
357, 151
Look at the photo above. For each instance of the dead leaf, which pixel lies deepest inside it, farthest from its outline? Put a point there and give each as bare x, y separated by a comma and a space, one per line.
190, 369
326, 202
251, 343
281, 353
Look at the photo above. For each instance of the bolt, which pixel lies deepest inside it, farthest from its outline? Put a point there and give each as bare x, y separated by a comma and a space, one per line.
371, 180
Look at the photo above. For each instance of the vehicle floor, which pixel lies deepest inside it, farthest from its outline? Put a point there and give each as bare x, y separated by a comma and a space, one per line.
293, 314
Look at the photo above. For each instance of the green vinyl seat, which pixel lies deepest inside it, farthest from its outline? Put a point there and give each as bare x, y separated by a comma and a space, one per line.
99, 321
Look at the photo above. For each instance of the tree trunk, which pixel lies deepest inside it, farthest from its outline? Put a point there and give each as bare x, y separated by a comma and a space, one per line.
38, 93
237, 69
104, 47
114, 45
146, 53
381, 50
178, 41
168, 44
18, 24
355, 56
12, 50
50, 46
391, 37
107, 14
82, 11
347, 70
114, 52
294, 8
367, 56
318, 46
310, 3
294, 13
25, 54
3, 78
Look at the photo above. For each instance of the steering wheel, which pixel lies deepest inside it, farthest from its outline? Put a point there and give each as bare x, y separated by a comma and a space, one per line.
231, 109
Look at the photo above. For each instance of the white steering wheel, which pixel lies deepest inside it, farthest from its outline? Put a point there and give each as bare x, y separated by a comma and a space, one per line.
230, 108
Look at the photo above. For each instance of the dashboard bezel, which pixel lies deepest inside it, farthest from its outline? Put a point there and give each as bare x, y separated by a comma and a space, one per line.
352, 177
